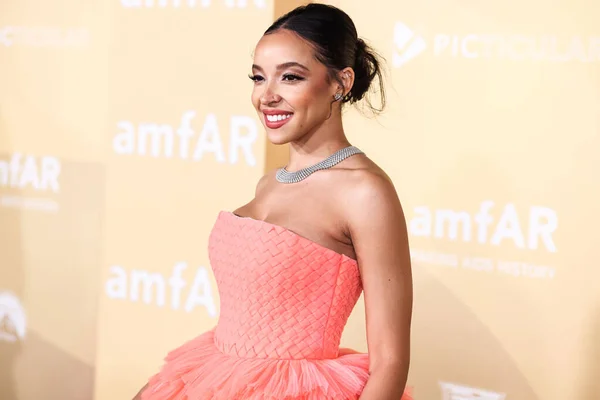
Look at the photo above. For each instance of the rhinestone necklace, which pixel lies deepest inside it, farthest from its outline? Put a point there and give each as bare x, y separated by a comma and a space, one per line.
284, 176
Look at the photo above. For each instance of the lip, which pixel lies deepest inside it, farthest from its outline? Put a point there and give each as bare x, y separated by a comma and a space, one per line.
276, 124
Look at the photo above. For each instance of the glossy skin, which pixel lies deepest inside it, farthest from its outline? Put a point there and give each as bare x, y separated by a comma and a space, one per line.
287, 77
351, 208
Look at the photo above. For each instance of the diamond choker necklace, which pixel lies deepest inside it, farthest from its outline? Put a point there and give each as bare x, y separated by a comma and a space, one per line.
284, 176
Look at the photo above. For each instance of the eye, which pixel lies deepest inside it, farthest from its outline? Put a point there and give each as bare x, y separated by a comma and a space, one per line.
292, 77
255, 78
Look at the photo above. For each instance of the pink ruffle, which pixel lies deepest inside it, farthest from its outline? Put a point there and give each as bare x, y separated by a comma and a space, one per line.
198, 370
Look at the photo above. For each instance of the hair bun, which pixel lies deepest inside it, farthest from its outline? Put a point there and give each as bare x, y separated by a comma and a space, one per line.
366, 68
361, 47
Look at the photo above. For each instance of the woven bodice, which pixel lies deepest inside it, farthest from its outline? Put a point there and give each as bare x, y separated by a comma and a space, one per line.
281, 295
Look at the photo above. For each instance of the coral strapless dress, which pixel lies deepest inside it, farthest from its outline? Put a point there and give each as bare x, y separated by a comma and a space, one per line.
284, 302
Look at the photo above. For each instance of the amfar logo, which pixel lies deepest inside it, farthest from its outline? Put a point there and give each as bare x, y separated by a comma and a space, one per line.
153, 288
26, 171
167, 141
452, 391
513, 47
35, 36
487, 227
13, 324
192, 3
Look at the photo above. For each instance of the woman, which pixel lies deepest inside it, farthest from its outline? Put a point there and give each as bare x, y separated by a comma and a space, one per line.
291, 264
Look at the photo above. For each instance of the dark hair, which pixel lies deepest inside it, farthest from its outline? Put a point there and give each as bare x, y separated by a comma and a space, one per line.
333, 35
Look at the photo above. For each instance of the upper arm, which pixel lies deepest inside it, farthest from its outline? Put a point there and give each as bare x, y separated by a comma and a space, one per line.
377, 226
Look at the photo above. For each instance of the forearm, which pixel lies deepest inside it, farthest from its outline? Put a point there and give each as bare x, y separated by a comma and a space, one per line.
386, 382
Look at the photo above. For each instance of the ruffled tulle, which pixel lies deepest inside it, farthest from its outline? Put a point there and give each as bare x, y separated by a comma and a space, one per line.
198, 370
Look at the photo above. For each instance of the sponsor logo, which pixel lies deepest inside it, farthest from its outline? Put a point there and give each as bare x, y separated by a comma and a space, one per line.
481, 227
408, 45
193, 3
43, 36
149, 139
512, 47
156, 289
13, 323
452, 391
27, 182
489, 225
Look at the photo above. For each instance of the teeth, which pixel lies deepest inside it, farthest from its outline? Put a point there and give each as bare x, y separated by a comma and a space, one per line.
275, 118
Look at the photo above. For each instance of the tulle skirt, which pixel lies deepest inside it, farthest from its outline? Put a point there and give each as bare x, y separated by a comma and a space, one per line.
198, 370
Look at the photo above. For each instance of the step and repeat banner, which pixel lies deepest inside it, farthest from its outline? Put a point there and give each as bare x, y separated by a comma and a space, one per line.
52, 188
184, 142
492, 137
124, 129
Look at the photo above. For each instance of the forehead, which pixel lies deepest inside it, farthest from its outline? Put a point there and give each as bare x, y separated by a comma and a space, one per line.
283, 46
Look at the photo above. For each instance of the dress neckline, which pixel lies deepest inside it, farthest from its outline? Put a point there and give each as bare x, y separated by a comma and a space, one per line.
300, 237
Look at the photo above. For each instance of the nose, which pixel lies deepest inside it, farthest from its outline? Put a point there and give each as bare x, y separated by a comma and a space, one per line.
269, 95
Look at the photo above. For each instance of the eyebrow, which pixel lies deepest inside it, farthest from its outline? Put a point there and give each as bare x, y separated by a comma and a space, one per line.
283, 66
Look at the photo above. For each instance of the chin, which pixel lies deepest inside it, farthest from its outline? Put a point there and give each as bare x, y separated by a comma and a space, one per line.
277, 139
278, 136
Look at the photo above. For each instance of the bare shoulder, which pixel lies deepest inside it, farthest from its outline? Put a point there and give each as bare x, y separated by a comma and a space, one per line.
369, 197
370, 182
365, 183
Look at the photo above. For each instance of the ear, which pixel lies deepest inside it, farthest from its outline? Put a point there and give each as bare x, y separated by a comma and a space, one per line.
346, 76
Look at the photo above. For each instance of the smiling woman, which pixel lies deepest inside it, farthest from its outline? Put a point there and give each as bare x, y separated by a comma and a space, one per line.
306, 61
291, 264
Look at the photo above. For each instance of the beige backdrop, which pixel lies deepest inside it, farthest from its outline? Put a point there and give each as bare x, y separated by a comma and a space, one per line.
184, 143
125, 126
52, 184
492, 139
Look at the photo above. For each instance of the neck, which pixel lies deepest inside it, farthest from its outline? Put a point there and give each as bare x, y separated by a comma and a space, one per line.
316, 146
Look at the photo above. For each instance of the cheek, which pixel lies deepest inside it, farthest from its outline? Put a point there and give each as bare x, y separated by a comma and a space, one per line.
255, 98
313, 100
303, 101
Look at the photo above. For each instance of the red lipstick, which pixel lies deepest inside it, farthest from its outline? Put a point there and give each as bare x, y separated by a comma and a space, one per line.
276, 118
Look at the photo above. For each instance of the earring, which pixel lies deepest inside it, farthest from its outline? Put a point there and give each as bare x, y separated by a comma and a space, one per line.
337, 96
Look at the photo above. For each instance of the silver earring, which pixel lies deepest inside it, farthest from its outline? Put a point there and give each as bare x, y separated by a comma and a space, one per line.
337, 96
